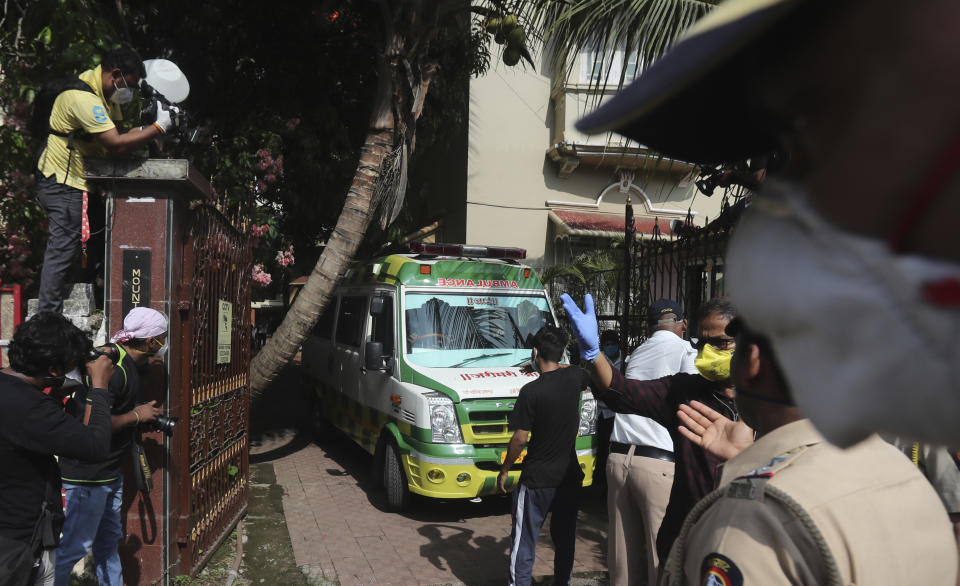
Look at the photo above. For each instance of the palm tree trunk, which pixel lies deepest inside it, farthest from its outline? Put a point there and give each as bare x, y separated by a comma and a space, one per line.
337, 255
346, 237
401, 22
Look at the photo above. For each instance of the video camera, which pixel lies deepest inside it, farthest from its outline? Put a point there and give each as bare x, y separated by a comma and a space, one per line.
746, 173
166, 84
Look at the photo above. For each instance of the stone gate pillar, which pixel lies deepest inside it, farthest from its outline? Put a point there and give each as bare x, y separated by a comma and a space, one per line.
160, 253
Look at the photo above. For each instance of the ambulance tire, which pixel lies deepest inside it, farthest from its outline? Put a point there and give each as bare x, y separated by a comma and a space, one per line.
394, 479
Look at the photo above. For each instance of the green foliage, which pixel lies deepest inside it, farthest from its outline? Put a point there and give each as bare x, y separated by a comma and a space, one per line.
38, 40
294, 80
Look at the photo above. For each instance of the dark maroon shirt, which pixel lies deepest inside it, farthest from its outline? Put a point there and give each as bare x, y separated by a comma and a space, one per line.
697, 472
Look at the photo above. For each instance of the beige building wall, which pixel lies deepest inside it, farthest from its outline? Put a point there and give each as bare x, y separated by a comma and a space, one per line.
510, 178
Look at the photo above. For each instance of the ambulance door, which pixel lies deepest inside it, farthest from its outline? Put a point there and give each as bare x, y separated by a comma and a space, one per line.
318, 356
352, 324
377, 385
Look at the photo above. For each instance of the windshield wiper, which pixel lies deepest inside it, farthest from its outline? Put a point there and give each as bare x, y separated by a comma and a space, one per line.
481, 357
524, 361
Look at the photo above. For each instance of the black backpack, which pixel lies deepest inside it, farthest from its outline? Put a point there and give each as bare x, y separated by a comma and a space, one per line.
43, 106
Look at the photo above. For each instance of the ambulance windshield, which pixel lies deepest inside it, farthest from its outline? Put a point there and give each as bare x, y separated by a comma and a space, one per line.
472, 330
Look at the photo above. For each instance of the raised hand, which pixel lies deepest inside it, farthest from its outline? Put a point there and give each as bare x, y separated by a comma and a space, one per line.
712, 431
584, 325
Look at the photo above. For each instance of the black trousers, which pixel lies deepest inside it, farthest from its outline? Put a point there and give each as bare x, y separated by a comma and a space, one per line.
530, 508
64, 206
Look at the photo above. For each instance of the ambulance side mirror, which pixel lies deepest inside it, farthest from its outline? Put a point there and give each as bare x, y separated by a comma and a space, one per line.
373, 358
376, 305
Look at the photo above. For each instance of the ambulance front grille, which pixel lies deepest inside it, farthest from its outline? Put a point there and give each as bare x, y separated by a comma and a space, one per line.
408, 416
499, 428
488, 416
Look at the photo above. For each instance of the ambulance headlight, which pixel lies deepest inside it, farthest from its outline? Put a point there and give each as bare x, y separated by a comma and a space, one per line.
443, 420
588, 416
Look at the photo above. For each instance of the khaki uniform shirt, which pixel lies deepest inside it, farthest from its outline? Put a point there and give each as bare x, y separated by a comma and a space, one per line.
77, 110
793, 509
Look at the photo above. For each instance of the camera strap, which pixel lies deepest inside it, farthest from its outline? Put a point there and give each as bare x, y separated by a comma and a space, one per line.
141, 468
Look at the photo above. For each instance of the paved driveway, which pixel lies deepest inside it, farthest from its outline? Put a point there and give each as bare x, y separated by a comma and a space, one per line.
340, 529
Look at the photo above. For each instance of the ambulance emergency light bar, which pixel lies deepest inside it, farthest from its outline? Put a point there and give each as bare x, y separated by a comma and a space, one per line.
440, 249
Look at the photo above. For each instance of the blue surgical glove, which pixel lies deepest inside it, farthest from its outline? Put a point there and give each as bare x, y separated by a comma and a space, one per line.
584, 324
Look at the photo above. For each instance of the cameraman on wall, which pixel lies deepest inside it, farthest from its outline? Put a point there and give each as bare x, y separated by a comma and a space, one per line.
82, 124
94, 489
34, 428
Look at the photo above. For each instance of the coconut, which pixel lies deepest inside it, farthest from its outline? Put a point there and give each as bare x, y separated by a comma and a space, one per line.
516, 37
500, 38
493, 24
509, 21
511, 56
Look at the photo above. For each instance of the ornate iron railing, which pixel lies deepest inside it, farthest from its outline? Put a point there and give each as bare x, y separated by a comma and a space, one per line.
215, 303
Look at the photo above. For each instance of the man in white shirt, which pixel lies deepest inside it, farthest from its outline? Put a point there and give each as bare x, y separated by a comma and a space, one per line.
640, 465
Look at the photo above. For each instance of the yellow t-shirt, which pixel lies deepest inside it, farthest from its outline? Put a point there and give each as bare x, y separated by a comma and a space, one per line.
73, 110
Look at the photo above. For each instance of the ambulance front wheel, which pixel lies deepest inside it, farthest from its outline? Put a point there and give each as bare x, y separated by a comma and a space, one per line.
394, 479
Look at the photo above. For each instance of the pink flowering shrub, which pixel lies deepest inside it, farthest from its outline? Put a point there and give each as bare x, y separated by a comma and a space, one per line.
259, 231
285, 257
270, 168
260, 277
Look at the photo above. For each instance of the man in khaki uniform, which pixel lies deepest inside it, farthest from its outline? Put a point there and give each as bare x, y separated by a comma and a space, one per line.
848, 259
793, 509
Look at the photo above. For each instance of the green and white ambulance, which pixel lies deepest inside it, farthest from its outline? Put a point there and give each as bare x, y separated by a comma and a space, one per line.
419, 359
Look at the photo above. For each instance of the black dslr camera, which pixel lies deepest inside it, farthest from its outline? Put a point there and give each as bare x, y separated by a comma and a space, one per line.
109, 351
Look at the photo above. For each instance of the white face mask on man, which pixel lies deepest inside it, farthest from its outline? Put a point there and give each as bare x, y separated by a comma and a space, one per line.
862, 335
121, 95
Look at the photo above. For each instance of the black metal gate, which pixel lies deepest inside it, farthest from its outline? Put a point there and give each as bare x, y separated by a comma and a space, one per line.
688, 270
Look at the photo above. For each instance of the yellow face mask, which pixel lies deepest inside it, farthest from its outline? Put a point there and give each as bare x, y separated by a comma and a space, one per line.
713, 364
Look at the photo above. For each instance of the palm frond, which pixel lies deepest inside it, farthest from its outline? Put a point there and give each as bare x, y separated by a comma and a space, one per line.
643, 29
554, 272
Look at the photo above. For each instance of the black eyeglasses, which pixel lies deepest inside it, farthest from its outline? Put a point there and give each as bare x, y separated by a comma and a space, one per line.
716, 341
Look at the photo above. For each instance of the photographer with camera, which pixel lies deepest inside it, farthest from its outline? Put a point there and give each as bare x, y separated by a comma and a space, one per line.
94, 488
75, 119
34, 428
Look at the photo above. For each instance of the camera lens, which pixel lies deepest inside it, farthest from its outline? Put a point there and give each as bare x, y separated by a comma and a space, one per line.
165, 424
110, 351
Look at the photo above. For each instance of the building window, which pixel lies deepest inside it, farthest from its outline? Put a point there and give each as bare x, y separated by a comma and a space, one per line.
599, 69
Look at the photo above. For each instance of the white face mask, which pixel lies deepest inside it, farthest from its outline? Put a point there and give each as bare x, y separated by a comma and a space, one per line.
860, 344
162, 351
121, 95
